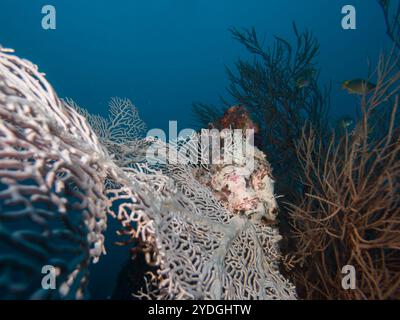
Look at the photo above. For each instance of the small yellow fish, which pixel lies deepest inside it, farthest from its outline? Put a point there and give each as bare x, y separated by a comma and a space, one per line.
358, 86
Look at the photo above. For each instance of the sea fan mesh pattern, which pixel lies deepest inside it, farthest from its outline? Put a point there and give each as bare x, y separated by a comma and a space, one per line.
55, 191
121, 127
52, 207
204, 251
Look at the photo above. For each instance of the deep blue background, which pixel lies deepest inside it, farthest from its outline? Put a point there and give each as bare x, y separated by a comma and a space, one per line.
166, 54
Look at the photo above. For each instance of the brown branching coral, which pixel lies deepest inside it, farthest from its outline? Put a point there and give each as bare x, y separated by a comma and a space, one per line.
279, 88
341, 192
350, 214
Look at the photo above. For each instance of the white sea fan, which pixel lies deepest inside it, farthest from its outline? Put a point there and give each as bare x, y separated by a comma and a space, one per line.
123, 125
51, 187
62, 170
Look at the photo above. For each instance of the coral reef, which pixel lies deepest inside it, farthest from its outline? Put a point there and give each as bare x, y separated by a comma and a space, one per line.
63, 173
280, 89
207, 251
341, 187
350, 214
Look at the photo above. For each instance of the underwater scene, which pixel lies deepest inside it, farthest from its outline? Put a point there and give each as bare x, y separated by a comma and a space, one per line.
199, 150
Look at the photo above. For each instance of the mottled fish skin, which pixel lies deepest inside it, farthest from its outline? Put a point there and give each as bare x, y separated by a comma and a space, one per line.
358, 86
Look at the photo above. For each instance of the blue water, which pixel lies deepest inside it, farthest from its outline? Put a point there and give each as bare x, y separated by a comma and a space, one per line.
166, 54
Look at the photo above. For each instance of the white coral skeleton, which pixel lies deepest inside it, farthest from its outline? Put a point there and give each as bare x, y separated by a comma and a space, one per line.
64, 172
